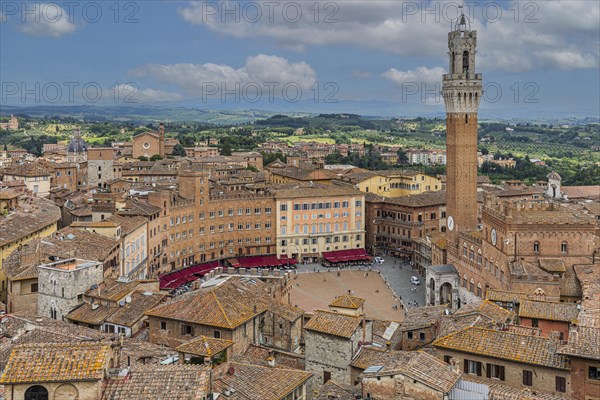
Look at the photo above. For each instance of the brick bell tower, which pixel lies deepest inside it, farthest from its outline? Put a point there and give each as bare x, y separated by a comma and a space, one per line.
462, 90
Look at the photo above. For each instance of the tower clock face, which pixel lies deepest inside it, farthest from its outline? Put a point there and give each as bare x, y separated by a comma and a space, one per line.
494, 236
450, 223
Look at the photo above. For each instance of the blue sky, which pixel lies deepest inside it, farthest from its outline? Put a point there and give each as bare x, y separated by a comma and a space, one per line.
365, 57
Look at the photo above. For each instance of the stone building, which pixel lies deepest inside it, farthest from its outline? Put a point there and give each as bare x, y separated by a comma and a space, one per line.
331, 340
147, 144
408, 375
584, 352
312, 219
67, 176
512, 359
11, 125
30, 218
395, 223
21, 267
35, 176
132, 233
100, 166
62, 285
420, 326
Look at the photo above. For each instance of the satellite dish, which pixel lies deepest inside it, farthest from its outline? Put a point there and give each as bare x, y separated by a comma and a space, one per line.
128, 299
121, 303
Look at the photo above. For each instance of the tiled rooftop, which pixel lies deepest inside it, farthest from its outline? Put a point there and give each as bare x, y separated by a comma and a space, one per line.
160, 382
222, 306
332, 323
253, 382
53, 362
419, 366
260, 355
422, 317
488, 309
337, 391
66, 243
31, 216
132, 312
204, 346
368, 356
113, 290
347, 301
505, 345
504, 296
552, 311
583, 342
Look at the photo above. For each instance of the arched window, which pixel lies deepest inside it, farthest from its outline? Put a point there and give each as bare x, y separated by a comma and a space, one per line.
536, 247
465, 62
564, 247
36, 392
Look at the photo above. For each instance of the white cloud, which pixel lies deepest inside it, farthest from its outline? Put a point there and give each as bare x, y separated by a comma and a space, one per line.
397, 27
260, 70
132, 94
46, 19
418, 75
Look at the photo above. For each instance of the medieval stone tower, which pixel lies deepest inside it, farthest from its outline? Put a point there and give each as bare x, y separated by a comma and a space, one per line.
462, 90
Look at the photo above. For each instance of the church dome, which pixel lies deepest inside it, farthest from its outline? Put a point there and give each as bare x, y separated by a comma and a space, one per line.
77, 145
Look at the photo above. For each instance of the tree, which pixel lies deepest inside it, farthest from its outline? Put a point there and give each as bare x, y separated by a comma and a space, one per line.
485, 151
225, 149
156, 157
178, 150
143, 158
402, 157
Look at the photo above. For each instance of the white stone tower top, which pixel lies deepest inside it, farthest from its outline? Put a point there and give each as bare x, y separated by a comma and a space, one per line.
462, 87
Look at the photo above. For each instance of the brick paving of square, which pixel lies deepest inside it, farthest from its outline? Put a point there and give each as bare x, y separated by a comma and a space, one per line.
315, 290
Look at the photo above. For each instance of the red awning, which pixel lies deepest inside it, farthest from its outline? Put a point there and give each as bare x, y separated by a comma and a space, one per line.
346, 255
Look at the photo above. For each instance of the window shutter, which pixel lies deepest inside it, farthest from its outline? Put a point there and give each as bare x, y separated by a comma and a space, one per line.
501, 373
488, 370
466, 369
478, 368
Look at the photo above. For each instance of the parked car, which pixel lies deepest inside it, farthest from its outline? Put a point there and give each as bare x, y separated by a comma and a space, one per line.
414, 280
379, 260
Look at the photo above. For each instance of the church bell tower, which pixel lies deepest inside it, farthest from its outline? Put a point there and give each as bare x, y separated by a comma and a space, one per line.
462, 90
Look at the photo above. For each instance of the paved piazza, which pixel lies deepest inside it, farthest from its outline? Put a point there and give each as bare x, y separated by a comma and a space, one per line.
315, 290
314, 293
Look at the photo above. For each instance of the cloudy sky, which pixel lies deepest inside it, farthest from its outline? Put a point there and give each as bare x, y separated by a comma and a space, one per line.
374, 57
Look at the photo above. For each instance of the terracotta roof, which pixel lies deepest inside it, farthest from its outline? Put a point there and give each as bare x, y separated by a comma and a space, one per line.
32, 215
552, 311
368, 356
66, 243
283, 359
132, 312
488, 309
569, 284
347, 301
552, 264
56, 362
26, 169
419, 366
252, 382
204, 346
583, 342
223, 306
579, 192
128, 224
422, 317
113, 290
298, 190
160, 382
87, 314
332, 323
498, 391
504, 296
426, 199
336, 391
505, 345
